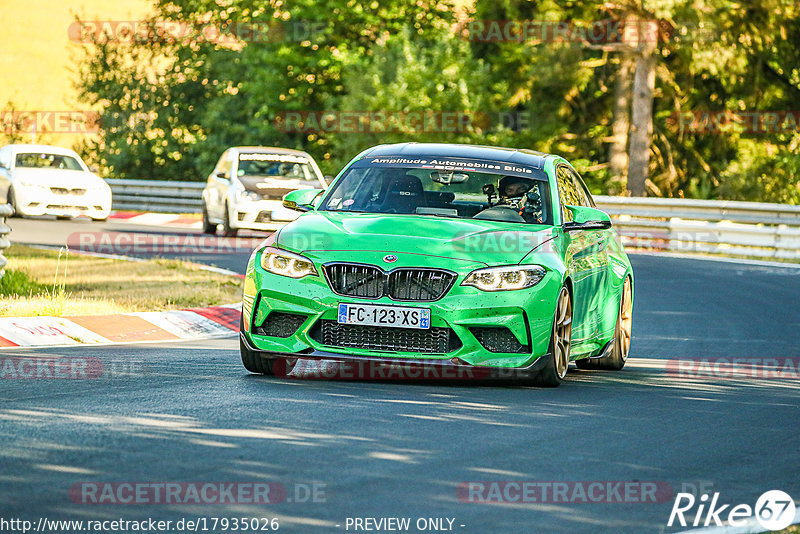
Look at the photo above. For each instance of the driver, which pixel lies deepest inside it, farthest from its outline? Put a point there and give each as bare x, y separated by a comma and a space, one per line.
523, 195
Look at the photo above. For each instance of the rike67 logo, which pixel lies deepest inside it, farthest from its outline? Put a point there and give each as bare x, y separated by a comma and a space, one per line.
774, 510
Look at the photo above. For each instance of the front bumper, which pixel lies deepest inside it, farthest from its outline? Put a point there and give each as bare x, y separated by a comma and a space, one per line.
373, 367
35, 201
260, 214
464, 311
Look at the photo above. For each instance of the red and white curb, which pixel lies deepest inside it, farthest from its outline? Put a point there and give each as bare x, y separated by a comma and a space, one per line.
191, 324
188, 221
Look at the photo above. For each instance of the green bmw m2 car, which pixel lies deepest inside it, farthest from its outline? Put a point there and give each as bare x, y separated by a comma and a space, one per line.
448, 255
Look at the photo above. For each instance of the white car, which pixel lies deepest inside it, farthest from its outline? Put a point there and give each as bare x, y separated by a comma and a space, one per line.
247, 186
48, 180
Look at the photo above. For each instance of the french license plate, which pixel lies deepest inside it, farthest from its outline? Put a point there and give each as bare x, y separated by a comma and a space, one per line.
391, 316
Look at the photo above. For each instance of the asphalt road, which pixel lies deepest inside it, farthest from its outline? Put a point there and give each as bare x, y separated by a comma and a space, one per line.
126, 239
189, 412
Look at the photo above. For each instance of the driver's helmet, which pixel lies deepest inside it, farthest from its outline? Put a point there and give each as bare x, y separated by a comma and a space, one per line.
512, 190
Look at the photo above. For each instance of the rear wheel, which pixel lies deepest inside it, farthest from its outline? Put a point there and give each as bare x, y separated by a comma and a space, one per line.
560, 344
615, 360
253, 361
208, 226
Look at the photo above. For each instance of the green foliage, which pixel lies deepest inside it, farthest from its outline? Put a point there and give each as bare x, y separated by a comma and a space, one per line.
15, 282
171, 108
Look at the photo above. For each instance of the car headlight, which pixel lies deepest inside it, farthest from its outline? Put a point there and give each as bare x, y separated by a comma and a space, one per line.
244, 194
285, 263
31, 185
505, 278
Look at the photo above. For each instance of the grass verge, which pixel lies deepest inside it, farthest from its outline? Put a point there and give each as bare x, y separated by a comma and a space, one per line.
49, 282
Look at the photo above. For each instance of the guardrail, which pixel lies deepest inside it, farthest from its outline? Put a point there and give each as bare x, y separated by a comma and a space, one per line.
157, 196
5, 211
706, 226
668, 224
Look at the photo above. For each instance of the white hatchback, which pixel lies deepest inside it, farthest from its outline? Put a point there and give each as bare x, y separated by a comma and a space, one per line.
48, 180
246, 188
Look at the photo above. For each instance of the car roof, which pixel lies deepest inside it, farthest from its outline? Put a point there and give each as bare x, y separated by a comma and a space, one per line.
270, 150
443, 150
16, 148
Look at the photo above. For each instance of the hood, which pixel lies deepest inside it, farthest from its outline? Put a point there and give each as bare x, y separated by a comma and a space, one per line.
57, 178
274, 188
469, 240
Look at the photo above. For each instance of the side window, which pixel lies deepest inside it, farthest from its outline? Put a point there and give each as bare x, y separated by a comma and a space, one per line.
586, 197
224, 164
567, 192
5, 157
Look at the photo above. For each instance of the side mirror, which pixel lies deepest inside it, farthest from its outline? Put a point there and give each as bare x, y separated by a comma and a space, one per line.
585, 218
222, 176
301, 200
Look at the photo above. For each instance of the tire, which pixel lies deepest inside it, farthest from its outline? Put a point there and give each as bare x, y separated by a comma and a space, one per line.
557, 365
11, 198
253, 361
615, 360
63, 218
99, 219
208, 227
227, 230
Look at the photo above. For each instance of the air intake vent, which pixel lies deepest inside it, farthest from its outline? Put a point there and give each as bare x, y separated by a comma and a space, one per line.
499, 339
430, 341
279, 324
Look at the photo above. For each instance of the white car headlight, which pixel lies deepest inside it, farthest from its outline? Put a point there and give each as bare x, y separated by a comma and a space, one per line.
243, 194
33, 185
505, 278
285, 263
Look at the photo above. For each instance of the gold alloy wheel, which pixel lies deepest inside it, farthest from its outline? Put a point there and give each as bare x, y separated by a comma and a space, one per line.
625, 322
562, 333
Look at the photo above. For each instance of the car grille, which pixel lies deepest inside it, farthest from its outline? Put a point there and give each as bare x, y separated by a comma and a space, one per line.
499, 339
67, 191
430, 341
369, 281
279, 324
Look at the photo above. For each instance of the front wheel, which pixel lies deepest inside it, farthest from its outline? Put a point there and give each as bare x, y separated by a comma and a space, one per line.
11, 198
253, 361
555, 370
227, 229
208, 227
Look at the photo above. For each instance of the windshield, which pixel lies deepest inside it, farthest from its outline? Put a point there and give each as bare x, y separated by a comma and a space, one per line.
442, 192
275, 166
48, 161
